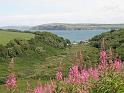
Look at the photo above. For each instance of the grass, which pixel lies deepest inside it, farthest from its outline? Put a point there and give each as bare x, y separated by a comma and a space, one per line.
26, 64
6, 36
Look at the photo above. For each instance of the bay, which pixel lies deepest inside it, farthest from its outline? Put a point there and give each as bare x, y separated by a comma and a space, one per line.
77, 35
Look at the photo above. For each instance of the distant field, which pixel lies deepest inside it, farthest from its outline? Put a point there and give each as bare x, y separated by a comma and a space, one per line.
5, 36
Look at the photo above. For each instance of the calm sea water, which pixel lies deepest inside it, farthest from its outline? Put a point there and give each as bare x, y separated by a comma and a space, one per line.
77, 35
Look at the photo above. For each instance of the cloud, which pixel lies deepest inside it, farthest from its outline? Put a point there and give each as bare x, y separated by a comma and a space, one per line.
31, 12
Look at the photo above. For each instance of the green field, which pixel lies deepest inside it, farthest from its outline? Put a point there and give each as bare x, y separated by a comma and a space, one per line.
26, 67
6, 36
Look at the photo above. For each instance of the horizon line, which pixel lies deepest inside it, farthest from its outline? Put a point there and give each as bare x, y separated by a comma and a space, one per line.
66, 23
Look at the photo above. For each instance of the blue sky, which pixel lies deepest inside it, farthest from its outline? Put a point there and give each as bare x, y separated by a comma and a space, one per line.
35, 12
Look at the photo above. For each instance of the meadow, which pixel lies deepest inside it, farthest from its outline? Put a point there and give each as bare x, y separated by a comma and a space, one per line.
44, 64
105, 77
6, 36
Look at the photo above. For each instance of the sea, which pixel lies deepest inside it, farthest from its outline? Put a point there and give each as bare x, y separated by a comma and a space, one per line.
77, 35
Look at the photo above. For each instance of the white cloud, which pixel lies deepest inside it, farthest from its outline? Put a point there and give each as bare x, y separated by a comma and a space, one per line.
31, 12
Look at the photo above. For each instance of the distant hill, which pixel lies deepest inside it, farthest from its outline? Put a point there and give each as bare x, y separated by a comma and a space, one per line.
22, 28
63, 26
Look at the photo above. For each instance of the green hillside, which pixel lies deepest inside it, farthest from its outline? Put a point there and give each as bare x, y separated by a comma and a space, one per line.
30, 53
114, 39
6, 36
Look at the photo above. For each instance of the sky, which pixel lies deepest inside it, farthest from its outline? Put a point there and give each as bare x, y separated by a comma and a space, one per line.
37, 12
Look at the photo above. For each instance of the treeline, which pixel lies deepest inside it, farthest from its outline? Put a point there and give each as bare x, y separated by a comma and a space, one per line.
18, 47
113, 39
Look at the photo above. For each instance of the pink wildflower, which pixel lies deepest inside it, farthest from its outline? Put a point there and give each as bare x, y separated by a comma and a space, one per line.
11, 81
101, 67
103, 57
59, 75
73, 75
84, 75
117, 64
38, 89
73, 71
94, 73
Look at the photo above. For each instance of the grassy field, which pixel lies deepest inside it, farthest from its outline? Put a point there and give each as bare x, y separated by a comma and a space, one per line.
6, 36
29, 66
32, 66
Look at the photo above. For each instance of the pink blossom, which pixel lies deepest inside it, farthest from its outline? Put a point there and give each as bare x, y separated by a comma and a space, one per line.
73, 71
103, 57
101, 66
117, 64
84, 75
94, 73
38, 89
59, 75
11, 81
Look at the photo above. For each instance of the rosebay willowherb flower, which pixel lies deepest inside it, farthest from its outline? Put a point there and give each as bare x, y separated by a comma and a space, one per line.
94, 73
73, 71
39, 89
45, 88
11, 78
59, 75
117, 64
103, 53
11, 81
103, 57
84, 75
